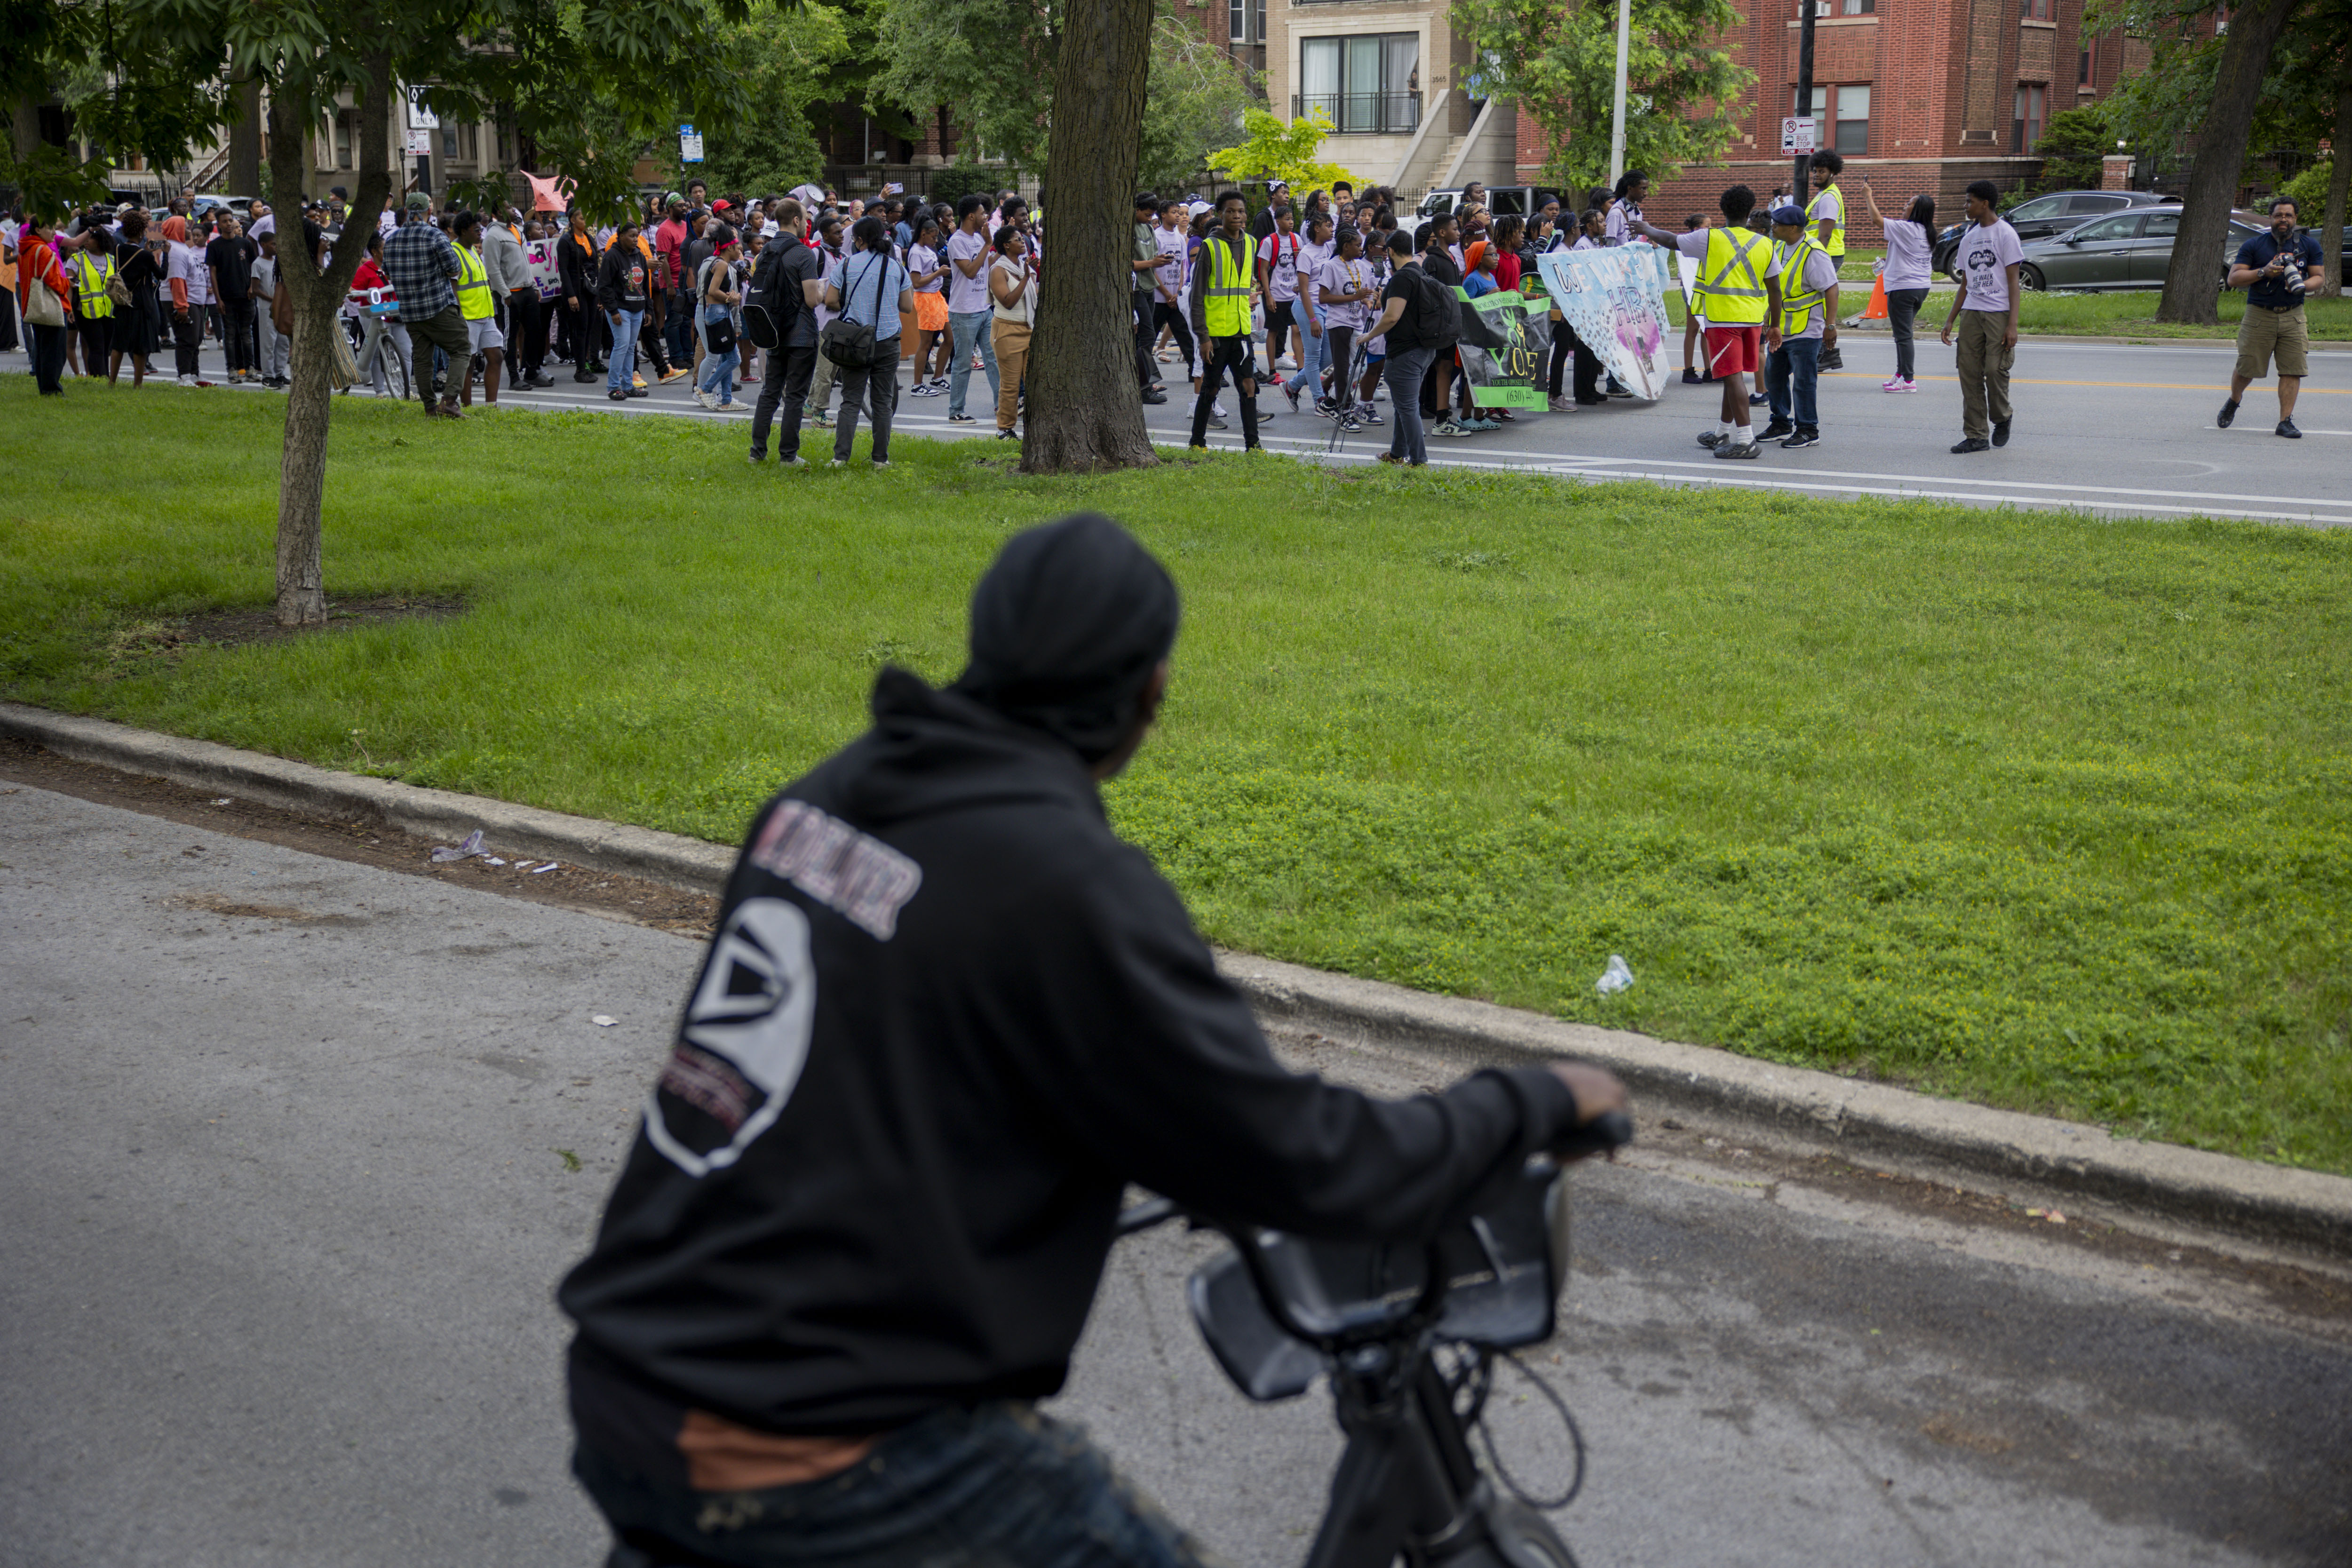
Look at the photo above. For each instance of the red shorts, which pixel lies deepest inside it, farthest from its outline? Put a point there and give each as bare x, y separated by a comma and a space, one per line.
1732, 350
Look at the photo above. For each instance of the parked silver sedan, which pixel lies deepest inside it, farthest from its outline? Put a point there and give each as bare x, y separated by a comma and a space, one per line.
2130, 250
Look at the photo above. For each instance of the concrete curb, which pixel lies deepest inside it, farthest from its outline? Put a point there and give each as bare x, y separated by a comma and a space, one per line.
1865, 1122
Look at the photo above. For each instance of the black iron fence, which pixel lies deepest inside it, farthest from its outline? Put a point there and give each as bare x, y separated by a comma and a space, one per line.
1361, 113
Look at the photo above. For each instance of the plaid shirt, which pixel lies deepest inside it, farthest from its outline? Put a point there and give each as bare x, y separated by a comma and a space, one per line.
418, 262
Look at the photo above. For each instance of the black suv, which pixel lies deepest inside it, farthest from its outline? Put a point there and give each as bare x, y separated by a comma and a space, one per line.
2043, 216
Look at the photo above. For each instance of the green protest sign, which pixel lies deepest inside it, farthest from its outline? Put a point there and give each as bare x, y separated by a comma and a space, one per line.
1504, 345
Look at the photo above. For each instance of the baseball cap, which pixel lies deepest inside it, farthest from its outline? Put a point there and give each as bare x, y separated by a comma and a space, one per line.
419, 199
1789, 213
721, 206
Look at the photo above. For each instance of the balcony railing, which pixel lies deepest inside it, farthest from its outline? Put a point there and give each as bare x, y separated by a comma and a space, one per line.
1362, 113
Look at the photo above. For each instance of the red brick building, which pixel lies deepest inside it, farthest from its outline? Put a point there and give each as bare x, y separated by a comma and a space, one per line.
1918, 95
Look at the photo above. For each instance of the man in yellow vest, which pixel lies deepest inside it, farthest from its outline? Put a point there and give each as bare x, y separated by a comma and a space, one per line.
479, 307
1826, 217
1738, 302
1222, 288
1809, 300
89, 268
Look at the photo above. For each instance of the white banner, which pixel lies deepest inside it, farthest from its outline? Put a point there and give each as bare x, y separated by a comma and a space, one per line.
689, 144
1616, 300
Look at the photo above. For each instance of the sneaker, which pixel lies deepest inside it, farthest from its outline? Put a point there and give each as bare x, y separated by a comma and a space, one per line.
821, 419
1348, 422
1480, 426
1392, 458
1895, 383
704, 399
1291, 389
1151, 396
1008, 435
2001, 432
1756, 399
1739, 448
755, 459
1562, 404
939, 384
920, 389
1973, 445
1446, 428
1801, 438
1218, 421
838, 463
2286, 428
1775, 430
541, 378
637, 381
1367, 414
584, 376
2229, 412
639, 391
955, 419
1692, 377
732, 406
673, 374
1196, 446
880, 464
1833, 360
187, 381
1711, 438
617, 396
1217, 408
794, 461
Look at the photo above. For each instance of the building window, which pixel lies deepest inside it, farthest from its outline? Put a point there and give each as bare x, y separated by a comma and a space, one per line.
1847, 131
1365, 84
346, 129
2082, 70
2034, 10
1247, 19
2025, 128
1857, 8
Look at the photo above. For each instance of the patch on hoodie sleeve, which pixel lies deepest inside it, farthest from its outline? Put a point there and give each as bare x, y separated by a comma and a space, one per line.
744, 1041
852, 873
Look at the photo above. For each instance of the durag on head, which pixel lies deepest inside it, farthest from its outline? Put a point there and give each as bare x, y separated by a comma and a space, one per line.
1066, 627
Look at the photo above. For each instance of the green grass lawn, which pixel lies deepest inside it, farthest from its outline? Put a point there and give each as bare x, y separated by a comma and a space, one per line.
2131, 313
2043, 811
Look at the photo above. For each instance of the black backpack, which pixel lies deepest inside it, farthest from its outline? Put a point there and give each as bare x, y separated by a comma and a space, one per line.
1436, 322
769, 307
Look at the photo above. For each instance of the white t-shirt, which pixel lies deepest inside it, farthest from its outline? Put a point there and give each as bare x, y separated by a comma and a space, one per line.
921, 258
966, 294
1281, 251
1907, 255
1021, 277
1168, 275
1984, 257
1333, 276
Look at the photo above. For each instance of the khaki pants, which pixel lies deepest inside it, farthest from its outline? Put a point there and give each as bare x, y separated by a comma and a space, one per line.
2266, 332
1984, 372
1011, 340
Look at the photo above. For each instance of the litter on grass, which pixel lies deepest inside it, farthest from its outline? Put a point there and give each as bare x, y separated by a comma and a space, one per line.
224, 801
548, 867
492, 861
603, 1020
1614, 978
466, 851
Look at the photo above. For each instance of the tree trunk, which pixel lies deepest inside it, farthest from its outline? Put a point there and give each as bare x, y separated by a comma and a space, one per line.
2190, 292
1086, 412
244, 171
316, 299
2339, 182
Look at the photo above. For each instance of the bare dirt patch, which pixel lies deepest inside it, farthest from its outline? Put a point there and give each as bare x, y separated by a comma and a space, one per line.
235, 628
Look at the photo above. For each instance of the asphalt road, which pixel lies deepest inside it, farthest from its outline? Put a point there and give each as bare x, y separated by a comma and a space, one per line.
2108, 429
287, 1163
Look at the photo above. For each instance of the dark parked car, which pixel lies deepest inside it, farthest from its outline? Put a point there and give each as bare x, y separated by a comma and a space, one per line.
2127, 250
2047, 215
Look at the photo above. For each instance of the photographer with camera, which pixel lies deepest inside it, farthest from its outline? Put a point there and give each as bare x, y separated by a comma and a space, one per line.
2274, 269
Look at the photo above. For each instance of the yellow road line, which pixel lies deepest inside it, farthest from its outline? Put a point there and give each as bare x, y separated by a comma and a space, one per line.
2143, 385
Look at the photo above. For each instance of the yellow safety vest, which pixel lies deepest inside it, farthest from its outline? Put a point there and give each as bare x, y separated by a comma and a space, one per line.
1227, 311
92, 302
473, 287
1797, 301
1730, 291
1836, 247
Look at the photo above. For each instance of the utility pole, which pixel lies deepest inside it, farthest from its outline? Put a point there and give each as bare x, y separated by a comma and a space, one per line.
1805, 95
1617, 115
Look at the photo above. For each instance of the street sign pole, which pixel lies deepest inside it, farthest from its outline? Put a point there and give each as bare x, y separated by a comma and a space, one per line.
1617, 115
1805, 95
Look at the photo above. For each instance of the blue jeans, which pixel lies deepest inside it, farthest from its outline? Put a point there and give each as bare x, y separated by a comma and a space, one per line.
969, 328
624, 368
1318, 355
1797, 361
997, 1485
719, 369
1405, 372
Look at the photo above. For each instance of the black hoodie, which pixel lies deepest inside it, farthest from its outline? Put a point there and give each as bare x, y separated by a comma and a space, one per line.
946, 1017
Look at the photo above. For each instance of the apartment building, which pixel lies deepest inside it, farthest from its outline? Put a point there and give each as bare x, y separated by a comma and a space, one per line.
1917, 94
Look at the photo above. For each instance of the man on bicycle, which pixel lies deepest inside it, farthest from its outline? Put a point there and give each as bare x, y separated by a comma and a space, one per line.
947, 1016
